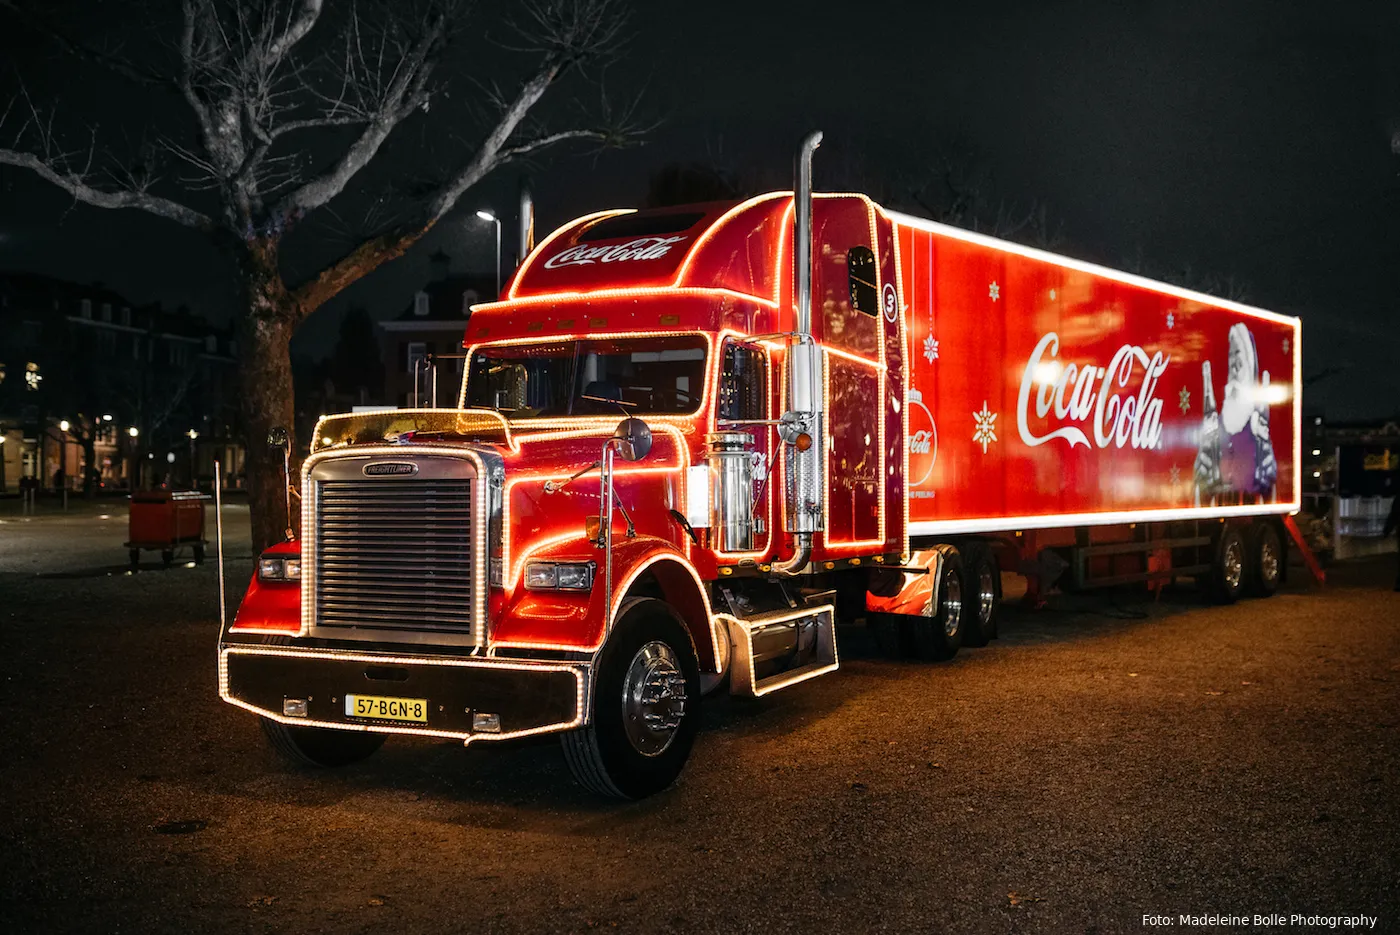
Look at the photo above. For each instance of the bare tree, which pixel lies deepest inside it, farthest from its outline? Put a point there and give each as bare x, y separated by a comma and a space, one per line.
287, 105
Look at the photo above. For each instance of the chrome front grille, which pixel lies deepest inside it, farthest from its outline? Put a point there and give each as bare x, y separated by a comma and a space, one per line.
394, 553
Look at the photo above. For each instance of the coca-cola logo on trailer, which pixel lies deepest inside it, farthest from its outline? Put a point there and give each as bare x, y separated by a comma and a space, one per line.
643, 248
923, 440
1088, 394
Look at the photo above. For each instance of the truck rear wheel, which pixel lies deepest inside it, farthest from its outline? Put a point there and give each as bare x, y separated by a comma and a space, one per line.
1228, 576
939, 636
984, 598
645, 708
1267, 557
320, 747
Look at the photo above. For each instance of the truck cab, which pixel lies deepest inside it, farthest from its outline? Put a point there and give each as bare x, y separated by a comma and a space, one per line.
640, 497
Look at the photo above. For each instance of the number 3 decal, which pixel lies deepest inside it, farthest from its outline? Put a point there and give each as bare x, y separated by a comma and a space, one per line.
891, 303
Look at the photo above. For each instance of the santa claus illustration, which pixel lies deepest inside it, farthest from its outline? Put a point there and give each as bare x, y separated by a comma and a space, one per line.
1236, 455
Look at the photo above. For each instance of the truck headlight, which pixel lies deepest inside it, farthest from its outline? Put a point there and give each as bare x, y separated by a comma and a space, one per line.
560, 576
279, 568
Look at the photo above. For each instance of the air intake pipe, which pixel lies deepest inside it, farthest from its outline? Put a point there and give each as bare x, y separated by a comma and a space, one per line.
802, 426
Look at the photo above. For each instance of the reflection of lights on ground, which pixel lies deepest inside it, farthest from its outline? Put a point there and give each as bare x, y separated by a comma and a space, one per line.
104, 516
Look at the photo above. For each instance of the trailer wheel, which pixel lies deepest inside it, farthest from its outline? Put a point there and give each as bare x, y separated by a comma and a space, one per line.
1266, 560
320, 747
1230, 571
984, 595
199, 554
134, 555
939, 635
645, 707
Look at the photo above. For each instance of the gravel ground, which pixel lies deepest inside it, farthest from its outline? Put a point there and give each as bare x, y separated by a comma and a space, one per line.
1105, 759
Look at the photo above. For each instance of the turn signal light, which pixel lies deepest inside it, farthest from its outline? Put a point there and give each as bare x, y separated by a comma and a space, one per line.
803, 442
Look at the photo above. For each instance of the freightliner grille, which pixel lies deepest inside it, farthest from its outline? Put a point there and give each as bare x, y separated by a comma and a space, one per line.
394, 553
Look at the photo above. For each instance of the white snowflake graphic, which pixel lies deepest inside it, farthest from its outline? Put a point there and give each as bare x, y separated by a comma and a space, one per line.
994, 291
1184, 400
1171, 320
930, 348
1285, 345
1176, 475
985, 433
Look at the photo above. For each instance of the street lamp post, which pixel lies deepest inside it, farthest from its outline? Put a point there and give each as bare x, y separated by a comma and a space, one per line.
488, 216
63, 426
194, 480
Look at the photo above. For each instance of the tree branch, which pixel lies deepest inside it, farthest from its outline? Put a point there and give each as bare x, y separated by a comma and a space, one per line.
407, 92
75, 185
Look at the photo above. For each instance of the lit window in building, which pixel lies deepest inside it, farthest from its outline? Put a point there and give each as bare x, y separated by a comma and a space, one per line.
32, 377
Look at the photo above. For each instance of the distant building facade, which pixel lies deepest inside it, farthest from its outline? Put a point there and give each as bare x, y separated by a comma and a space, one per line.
432, 325
98, 392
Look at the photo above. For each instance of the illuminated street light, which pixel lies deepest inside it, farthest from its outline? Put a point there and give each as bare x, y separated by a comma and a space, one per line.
107, 418
64, 425
192, 434
488, 216
133, 431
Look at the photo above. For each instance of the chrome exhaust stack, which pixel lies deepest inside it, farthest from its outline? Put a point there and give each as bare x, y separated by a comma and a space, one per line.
527, 222
802, 427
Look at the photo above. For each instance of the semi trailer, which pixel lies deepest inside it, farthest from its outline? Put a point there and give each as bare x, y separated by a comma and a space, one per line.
690, 441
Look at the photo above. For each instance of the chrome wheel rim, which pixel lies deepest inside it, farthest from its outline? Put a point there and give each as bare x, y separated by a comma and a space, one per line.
1268, 562
653, 698
986, 594
952, 605
1234, 564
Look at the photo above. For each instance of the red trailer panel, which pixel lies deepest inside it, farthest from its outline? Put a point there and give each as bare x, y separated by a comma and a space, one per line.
1051, 392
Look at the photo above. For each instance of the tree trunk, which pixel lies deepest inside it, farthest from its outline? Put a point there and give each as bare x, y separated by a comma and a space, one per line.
265, 367
89, 441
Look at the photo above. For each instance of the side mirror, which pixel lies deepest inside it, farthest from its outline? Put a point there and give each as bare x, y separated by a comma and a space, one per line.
633, 437
277, 437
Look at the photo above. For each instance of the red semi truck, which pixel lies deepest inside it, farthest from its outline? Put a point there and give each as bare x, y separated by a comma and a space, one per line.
692, 440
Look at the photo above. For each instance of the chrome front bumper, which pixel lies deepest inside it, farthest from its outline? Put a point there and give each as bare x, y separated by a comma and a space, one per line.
527, 697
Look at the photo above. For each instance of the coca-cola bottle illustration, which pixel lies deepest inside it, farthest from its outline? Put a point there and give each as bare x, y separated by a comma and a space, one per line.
1207, 469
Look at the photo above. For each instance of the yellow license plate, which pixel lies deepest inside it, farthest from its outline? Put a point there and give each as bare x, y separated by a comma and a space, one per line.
387, 709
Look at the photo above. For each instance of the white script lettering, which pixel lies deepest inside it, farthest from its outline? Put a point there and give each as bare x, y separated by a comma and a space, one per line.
1086, 393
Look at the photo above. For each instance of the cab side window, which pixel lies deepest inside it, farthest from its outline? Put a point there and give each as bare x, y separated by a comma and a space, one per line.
860, 267
743, 383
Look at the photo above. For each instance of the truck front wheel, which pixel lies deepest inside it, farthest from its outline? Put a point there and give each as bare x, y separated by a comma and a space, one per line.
645, 707
321, 747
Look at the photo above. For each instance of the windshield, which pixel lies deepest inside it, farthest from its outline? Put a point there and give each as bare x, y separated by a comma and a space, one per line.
644, 376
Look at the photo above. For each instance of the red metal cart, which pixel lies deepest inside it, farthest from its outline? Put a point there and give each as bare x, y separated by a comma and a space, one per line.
166, 520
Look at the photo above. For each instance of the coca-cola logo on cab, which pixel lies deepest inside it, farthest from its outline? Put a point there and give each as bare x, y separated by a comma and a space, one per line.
1092, 396
643, 248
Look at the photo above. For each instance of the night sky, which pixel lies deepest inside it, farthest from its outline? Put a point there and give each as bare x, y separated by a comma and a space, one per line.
1246, 140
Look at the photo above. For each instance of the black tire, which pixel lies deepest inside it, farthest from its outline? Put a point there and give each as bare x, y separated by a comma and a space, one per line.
604, 756
983, 596
320, 747
167, 558
134, 555
199, 555
939, 636
1267, 558
1230, 566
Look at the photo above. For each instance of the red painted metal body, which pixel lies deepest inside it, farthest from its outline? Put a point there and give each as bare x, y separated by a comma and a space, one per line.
993, 389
